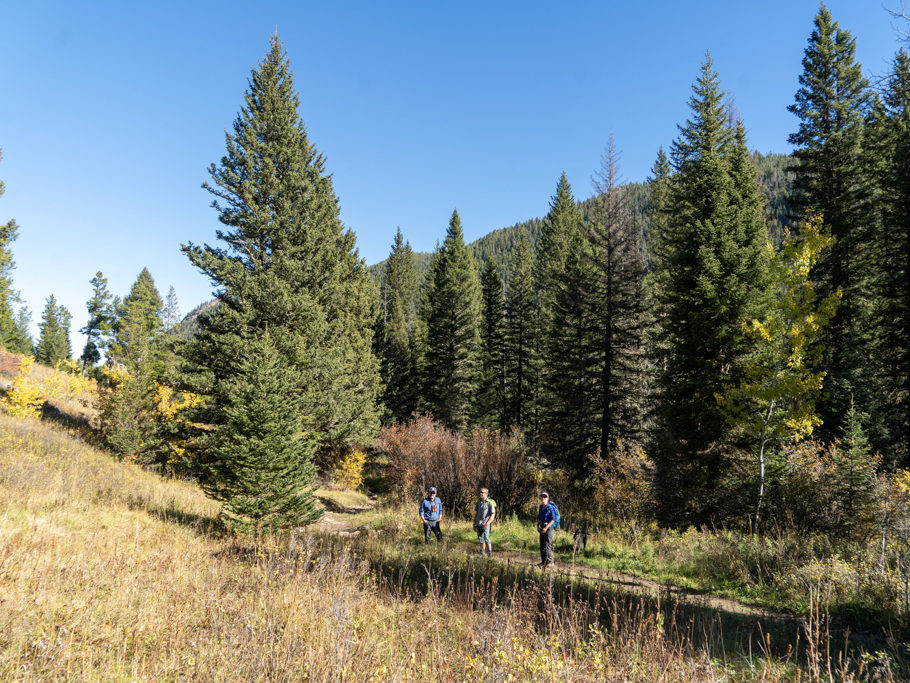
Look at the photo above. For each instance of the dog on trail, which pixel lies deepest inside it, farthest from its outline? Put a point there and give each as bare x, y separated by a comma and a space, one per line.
581, 540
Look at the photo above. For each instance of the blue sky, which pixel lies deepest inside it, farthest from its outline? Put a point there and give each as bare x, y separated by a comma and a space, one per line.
111, 112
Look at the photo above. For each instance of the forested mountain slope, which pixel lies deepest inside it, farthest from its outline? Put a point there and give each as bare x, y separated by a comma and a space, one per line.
774, 178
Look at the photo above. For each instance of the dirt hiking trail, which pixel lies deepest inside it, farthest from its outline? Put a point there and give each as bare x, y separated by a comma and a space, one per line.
333, 523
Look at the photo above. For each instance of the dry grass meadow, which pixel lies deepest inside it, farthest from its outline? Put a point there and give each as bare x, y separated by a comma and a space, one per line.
110, 572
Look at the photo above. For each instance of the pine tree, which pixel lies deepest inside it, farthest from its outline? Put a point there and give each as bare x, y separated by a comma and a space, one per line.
451, 312
137, 325
145, 305
855, 469
659, 194
8, 233
830, 179
396, 335
490, 406
569, 425
893, 312
712, 275
14, 334
135, 365
100, 322
54, 344
617, 302
20, 341
287, 265
171, 314
262, 466
521, 362
562, 224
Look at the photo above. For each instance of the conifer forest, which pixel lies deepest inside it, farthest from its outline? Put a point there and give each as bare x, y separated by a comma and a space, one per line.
708, 371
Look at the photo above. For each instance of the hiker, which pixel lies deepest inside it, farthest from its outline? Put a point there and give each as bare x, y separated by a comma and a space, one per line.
430, 512
484, 513
547, 521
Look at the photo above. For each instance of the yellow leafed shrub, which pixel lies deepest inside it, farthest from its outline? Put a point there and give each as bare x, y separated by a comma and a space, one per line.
169, 404
349, 473
26, 397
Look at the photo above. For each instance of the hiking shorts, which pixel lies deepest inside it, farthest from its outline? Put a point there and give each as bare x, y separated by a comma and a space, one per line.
483, 535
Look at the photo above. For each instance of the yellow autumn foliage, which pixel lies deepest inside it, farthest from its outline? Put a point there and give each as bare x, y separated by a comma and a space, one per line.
26, 396
349, 473
168, 405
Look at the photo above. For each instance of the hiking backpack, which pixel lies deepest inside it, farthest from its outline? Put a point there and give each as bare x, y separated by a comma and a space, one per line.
555, 514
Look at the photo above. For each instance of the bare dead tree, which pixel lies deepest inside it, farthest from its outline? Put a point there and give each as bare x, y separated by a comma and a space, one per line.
618, 304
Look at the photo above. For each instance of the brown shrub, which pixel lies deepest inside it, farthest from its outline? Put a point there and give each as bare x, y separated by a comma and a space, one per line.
423, 453
622, 489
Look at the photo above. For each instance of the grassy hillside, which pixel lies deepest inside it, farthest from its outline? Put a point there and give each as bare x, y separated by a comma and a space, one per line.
108, 571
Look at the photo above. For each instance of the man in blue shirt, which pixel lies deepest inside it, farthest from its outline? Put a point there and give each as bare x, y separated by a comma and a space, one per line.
545, 520
430, 512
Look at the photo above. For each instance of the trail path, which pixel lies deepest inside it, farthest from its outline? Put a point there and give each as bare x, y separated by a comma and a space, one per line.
631, 583
637, 584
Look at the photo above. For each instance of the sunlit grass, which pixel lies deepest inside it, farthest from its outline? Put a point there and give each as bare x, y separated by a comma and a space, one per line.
111, 572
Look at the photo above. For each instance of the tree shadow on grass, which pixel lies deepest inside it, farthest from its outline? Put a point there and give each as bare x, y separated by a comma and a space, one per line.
203, 525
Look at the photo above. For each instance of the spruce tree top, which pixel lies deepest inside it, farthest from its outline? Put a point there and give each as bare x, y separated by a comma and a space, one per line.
831, 94
271, 190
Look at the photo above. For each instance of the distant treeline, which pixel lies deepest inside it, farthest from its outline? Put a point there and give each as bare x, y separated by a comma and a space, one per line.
774, 177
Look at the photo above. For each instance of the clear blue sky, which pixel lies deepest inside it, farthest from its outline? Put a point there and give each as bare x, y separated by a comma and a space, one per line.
111, 112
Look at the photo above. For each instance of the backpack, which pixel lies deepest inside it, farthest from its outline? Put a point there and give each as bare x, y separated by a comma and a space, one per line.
555, 514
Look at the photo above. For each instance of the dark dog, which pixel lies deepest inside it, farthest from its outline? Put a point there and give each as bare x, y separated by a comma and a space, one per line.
581, 540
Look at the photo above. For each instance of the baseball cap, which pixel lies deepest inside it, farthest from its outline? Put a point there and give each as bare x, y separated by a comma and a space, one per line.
432, 489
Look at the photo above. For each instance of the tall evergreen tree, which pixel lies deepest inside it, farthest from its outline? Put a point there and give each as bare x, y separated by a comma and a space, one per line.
659, 194
137, 322
565, 280
396, 335
127, 405
262, 468
521, 362
14, 334
100, 322
451, 311
712, 275
562, 224
54, 344
21, 339
893, 312
287, 265
171, 313
617, 307
490, 406
830, 179
8, 232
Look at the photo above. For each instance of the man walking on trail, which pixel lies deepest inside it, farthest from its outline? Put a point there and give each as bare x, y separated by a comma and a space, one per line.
484, 513
430, 512
546, 518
